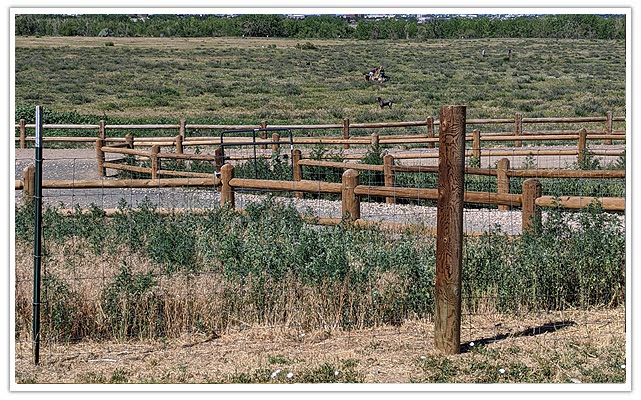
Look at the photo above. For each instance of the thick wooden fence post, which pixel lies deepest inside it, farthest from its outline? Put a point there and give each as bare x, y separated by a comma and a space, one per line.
275, 140
583, 138
155, 162
476, 145
346, 132
180, 137
449, 229
218, 160
298, 170
102, 130
388, 174
227, 197
503, 179
351, 203
100, 157
263, 133
608, 126
179, 148
28, 184
374, 141
182, 129
129, 140
530, 216
23, 134
430, 131
518, 128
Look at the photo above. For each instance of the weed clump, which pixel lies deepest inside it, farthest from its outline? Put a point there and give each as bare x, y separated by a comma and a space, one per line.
306, 46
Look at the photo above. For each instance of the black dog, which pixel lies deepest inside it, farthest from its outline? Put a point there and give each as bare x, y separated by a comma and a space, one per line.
384, 103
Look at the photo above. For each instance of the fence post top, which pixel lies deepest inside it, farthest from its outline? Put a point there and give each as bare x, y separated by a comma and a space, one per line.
350, 173
531, 182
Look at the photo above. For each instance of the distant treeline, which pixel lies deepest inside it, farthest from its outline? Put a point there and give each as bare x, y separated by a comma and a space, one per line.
561, 26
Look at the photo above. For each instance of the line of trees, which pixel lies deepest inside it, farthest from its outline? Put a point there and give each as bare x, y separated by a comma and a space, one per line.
561, 26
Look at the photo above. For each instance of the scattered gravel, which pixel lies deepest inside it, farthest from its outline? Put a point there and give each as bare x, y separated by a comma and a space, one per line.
80, 164
474, 220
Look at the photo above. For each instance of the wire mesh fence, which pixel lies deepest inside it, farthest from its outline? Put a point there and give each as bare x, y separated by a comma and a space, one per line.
286, 276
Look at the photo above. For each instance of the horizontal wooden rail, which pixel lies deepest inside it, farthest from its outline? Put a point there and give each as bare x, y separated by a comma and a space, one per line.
548, 120
434, 169
120, 150
493, 152
335, 140
62, 126
337, 164
125, 167
605, 137
374, 125
559, 173
523, 173
143, 126
220, 127
551, 133
398, 192
188, 156
532, 138
188, 174
432, 194
578, 202
129, 183
298, 186
502, 138
469, 153
395, 168
64, 139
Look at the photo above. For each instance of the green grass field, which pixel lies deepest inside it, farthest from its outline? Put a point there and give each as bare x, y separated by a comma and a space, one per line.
232, 80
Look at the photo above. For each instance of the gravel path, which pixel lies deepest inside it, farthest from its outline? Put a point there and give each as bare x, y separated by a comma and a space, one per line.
80, 164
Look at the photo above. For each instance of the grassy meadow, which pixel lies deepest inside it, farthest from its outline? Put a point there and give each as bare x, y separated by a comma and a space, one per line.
235, 80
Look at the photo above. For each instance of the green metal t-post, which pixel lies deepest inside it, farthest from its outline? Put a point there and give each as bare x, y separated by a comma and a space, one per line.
37, 248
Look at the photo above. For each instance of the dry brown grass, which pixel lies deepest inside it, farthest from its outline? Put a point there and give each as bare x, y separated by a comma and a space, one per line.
205, 302
403, 354
306, 338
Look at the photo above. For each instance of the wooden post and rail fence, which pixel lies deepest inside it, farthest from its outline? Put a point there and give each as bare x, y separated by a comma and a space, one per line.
613, 204
517, 135
450, 196
154, 154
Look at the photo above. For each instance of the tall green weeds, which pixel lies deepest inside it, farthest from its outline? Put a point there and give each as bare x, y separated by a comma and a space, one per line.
141, 273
